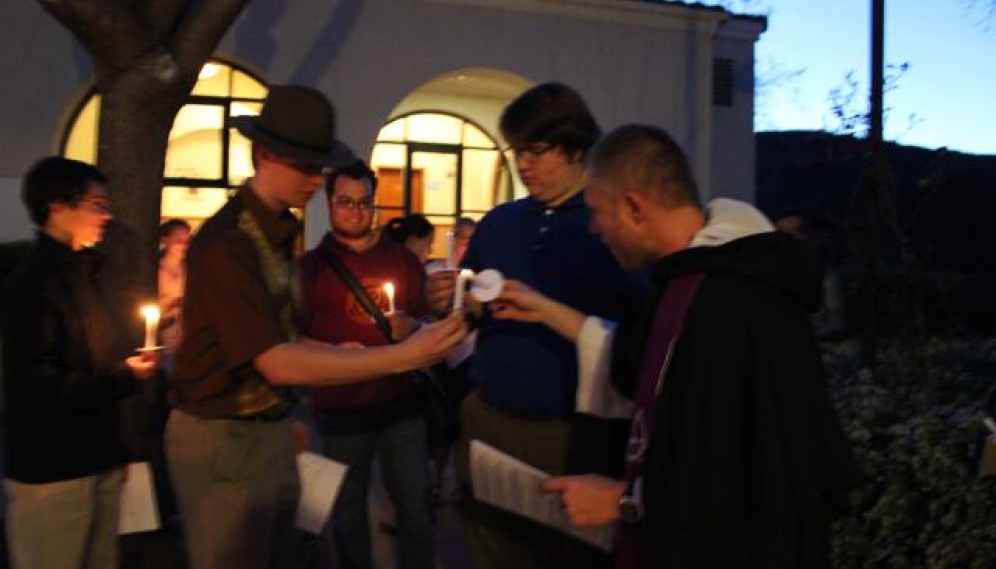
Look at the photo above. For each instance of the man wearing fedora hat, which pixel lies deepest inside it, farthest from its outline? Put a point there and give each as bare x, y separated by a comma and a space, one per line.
229, 441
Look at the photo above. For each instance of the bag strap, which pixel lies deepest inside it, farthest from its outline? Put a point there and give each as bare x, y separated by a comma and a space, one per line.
358, 291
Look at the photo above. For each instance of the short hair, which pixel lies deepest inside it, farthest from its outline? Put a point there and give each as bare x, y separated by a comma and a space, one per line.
553, 113
170, 225
465, 222
399, 229
56, 180
645, 158
356, 170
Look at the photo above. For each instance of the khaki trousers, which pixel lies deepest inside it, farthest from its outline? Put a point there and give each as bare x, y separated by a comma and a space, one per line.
237, 489
70, 524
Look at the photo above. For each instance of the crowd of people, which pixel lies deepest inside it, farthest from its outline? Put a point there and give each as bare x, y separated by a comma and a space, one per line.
653, 354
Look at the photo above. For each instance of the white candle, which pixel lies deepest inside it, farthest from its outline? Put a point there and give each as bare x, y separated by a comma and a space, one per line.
450, 249
461, 285
389, 291
151, 314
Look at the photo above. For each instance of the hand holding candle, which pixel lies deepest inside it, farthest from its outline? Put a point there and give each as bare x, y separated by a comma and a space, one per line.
461, 286
389, 291
151, 314
451, 249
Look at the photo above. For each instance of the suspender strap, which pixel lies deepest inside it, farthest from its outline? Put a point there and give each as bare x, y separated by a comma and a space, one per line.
358, 291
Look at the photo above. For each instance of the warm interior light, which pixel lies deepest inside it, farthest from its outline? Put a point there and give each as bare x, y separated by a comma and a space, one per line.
208, 71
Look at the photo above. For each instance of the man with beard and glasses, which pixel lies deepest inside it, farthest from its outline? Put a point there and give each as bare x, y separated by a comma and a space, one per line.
376, 419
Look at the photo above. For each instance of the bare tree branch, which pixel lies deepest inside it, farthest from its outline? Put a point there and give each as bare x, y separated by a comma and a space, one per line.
202, 26
114, 33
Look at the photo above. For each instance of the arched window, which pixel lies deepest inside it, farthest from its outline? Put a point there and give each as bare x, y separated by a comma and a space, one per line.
439, 164
204, 160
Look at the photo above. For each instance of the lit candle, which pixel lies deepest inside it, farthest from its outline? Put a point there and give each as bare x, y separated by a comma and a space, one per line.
151, 314
461, 285
389, 291
450, 249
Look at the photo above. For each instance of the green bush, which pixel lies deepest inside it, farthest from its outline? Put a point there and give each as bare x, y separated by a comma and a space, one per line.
923, 505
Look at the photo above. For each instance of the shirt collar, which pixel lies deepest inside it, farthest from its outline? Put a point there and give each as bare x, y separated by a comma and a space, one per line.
280, 229
332, 244
574, 202
62, 254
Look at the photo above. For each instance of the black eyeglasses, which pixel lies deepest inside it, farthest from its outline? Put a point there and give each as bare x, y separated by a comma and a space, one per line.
530, 152
359, 205
96, 205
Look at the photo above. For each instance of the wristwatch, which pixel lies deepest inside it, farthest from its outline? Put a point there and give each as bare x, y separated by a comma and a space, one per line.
631, 502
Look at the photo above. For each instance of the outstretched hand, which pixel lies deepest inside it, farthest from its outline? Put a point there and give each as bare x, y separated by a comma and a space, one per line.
432, 342
518, 301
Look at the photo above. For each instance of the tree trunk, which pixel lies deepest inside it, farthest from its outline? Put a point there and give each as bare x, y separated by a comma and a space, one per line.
147, 54
137, 113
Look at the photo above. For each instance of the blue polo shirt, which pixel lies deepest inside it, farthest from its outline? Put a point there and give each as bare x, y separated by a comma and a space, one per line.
524, 368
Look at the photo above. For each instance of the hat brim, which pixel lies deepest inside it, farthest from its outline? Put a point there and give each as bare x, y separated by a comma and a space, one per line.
336, 156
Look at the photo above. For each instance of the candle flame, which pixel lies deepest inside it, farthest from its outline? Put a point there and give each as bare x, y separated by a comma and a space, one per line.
150, 312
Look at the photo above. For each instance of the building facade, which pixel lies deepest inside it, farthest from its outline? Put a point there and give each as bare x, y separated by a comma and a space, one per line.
418, 86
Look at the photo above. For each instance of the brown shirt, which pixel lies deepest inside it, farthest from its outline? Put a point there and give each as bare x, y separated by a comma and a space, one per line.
230, 316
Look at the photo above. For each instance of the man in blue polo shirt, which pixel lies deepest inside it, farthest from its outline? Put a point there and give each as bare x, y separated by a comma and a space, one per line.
526, 375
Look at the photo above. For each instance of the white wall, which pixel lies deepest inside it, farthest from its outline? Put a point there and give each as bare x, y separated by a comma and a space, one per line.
14, 222
733, 149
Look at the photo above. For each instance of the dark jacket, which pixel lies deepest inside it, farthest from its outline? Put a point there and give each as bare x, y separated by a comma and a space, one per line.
64, 370
747, 455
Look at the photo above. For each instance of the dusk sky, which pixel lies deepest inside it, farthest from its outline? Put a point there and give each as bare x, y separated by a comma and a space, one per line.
950, 86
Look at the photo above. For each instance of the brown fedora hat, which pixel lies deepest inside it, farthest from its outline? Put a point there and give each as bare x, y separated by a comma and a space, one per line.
296, 122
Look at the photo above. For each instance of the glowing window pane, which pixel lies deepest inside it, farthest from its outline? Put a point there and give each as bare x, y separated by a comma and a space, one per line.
192, 204
473, 136
239, 147
431, 127
82, 142
435, 192
213, 80
481, 178
393, 131
195, 143
245, 86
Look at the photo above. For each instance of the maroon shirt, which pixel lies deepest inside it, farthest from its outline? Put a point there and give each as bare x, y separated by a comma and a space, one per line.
330, 312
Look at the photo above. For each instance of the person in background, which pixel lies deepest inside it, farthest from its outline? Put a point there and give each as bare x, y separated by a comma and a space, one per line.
376, 419
230, 441
456, 374
736, 456
462, 232
65, 373
415, 232
525, 374
174, 236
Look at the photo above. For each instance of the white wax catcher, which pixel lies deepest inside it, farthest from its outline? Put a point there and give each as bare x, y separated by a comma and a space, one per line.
487, 285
